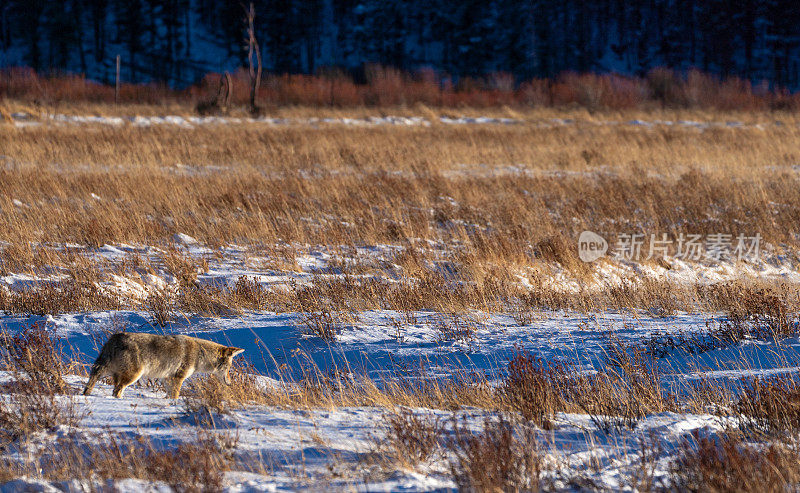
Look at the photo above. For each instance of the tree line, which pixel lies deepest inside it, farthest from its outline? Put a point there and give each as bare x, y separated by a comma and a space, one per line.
177, 41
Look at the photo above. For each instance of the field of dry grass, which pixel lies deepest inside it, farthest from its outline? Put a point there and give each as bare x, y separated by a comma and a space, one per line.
460, 220
351, 185
494, 201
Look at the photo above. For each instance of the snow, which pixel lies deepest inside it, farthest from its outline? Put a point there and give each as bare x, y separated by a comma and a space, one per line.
383, 340
185, 239
385, 345
301, 447
189, 122
277, 345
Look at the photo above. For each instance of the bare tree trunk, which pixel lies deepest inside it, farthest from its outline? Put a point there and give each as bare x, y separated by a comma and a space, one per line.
116, 84
228, 92
255, 67
221, 102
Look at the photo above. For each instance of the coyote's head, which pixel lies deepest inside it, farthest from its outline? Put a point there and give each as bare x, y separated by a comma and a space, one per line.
224, 362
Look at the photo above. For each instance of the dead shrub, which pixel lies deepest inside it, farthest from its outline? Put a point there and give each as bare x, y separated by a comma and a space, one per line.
249, 294
499, 458
192, 467
10, 470
665, 87
715, 336
761, 311
38, 366
660, 298
522, 313
626, 390
770, 406
727, 464
208, 301
27, 411
196, 466
534, 388
53, 298
455, 327
644, 474
207, 395
160, 306
557, 248
389, 87
183, 267
36, 360
324, 322
411, 438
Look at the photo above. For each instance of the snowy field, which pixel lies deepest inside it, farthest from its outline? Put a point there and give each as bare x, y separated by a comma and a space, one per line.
284, 449
308, 450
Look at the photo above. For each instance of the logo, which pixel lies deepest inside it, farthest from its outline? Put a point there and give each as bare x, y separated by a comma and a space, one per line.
591, 246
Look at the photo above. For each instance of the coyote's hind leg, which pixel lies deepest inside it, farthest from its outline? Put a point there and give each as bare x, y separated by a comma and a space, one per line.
123, 380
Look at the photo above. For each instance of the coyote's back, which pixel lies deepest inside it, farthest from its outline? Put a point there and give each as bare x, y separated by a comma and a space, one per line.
127, 357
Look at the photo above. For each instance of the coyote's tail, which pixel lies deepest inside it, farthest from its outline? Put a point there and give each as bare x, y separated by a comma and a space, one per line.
98, 368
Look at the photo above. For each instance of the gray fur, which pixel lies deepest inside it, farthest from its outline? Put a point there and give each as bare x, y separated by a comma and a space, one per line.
128, 356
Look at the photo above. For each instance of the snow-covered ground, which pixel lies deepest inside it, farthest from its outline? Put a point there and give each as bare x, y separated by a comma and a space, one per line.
307, 450
313, 443
381, 342
304, 449
278, 345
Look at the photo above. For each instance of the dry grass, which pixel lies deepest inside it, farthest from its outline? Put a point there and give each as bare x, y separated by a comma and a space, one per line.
761, 308
28, 411
480, 207
769, 406
499, 458
206, 395
52, 298
187, 467
373, 185
33, 356
323, 324
766, 311
247, 293
468, 209
728, 464
410, 439
504, 456
616, 397
626, 390
33, 403
34, 400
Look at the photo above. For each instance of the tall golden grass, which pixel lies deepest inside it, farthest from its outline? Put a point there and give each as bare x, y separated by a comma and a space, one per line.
495, 201
501, 189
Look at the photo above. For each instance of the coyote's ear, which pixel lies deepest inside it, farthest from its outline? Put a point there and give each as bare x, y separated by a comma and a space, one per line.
235, 351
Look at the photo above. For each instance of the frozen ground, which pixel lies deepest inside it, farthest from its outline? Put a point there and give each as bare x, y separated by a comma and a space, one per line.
305, 449
383, 343
299, 450
279, 345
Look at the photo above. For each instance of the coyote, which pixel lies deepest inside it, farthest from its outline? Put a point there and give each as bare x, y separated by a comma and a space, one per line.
129, 356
